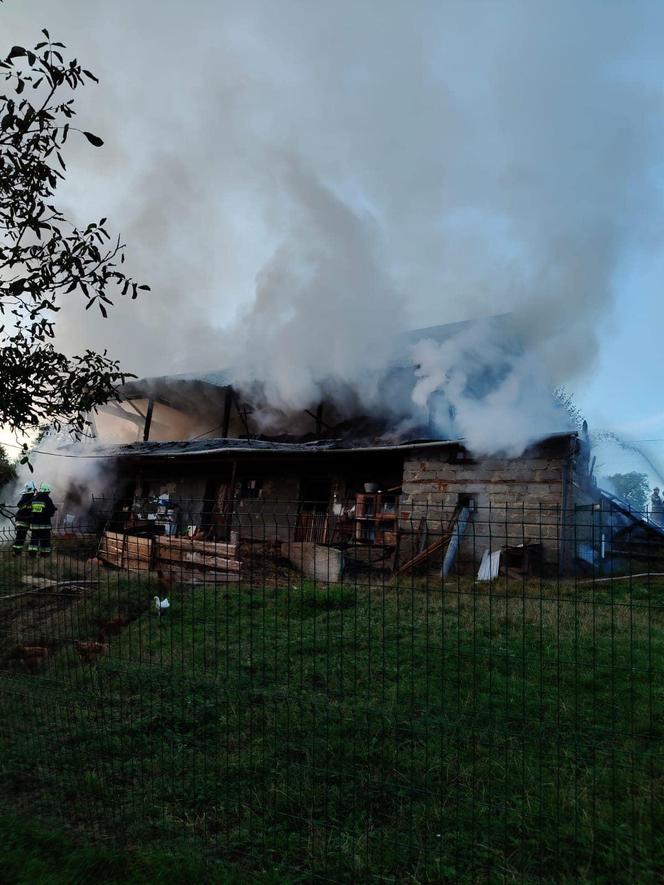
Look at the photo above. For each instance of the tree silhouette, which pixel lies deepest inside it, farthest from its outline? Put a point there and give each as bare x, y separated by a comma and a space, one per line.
44, 257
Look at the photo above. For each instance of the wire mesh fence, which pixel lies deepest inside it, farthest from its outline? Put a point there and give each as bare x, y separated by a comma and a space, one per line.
343, 696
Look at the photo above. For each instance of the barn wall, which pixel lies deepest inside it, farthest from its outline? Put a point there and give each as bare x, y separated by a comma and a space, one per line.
274, 512
517, 500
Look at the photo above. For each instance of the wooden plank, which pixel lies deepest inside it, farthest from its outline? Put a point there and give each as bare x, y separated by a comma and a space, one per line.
195, 577
218, 549
138, 558
47, 584
109, 554
136, 543
112, 560
138, 552
111, 545
437, 545
111, 548
202, 560
433, 548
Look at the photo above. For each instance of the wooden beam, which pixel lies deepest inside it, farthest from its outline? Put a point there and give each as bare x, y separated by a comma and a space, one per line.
228, 403
242, 413
148, 420
135, 408
118, 412
419, 558
318, 418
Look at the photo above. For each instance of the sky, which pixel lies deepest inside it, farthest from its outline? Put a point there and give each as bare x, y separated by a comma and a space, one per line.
431, 161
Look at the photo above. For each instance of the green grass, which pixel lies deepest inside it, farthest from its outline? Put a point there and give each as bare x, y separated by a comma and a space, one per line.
31, 854
417, 735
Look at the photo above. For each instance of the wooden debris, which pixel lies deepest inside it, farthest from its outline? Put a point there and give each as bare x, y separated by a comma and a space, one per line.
219, 548
433, 548
193, 576
48, 583
429, 551
188, 561
185, 560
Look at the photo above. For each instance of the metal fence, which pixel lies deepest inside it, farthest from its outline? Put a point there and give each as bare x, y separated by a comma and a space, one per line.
468, 700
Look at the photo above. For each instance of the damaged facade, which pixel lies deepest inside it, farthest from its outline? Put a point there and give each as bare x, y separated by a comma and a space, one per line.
394, 498
191, 458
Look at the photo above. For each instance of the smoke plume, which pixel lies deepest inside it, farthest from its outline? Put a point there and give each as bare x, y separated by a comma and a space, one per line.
299, 181
325, 311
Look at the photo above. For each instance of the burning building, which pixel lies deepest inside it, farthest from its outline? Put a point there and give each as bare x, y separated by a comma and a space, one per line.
389, 475
197, 455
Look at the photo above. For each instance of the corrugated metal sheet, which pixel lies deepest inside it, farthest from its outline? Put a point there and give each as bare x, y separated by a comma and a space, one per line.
185, 448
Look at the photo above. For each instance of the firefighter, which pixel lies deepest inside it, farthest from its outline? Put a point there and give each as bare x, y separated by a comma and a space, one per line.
43, 509
23, 517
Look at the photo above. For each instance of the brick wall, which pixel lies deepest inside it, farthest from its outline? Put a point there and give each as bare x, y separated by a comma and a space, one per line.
517, 499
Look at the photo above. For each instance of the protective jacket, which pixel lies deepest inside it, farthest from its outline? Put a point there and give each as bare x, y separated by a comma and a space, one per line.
24, 509
42, 509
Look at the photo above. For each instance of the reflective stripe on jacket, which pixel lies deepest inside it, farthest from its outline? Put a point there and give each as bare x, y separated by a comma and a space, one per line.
42, 509
24, 509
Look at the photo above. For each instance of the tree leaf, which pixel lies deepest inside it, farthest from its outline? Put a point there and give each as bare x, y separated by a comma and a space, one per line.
93, 139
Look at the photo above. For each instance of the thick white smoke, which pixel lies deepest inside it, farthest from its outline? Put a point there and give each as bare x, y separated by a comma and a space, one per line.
297, 181
495, 397
76, 470
326, 312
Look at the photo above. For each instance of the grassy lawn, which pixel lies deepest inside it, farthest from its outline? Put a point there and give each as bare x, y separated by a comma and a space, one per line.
375, 734
31, 854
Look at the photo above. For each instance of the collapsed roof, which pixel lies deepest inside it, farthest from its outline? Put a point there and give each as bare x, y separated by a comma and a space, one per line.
215, 447
212, 395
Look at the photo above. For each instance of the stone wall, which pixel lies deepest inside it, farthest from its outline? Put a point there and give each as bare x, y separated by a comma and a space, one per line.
515, 500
